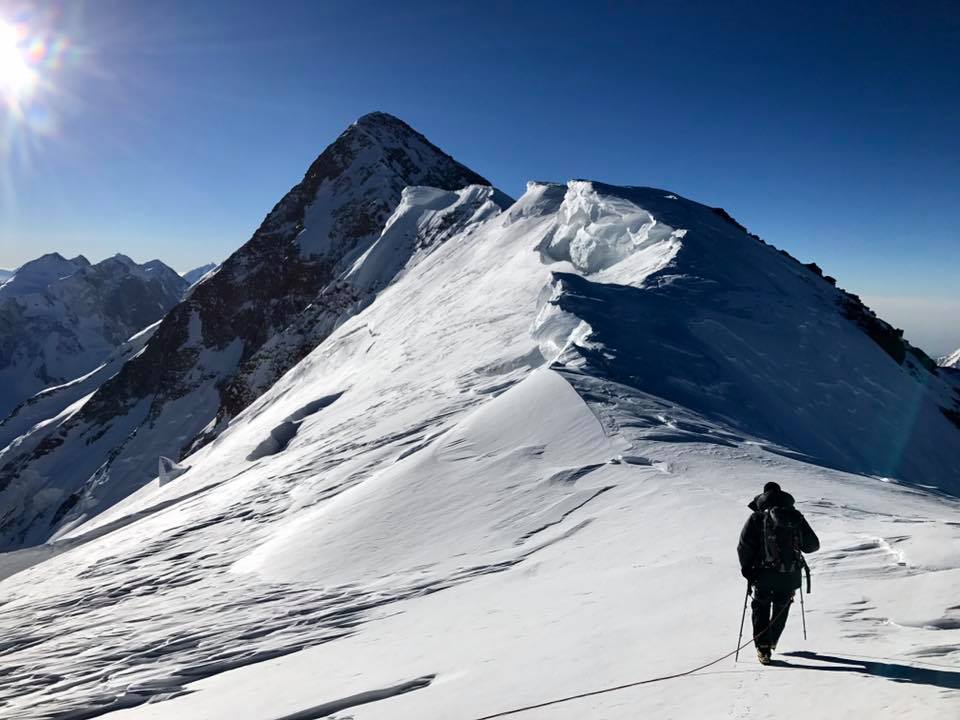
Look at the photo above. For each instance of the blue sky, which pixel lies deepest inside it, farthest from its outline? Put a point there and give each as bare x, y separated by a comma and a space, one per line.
171, 128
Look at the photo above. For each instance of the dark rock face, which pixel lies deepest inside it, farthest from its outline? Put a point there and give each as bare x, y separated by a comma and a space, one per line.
182, 384
266, 284
883, 334
332, 305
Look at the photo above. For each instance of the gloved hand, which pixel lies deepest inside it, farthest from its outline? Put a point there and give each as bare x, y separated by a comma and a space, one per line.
749, 573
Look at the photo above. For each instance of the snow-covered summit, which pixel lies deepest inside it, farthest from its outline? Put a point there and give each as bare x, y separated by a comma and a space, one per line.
950, 361
36, 275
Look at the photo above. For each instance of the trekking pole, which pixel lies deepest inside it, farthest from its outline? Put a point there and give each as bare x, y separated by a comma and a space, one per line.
803, 612
742, 618
803, 615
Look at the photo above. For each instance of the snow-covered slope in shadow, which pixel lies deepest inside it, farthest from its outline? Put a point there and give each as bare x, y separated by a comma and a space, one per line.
477, 478
735, 330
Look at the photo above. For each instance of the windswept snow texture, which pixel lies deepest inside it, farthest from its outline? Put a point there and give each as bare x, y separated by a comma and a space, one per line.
950, 361
61, 318
520, 472
239, 329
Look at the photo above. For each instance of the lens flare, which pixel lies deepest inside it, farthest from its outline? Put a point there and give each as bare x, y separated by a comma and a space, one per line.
17, 78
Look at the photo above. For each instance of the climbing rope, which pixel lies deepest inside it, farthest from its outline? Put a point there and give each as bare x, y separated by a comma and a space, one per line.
615, 688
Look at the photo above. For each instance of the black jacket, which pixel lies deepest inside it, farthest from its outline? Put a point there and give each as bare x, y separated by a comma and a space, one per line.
750, 547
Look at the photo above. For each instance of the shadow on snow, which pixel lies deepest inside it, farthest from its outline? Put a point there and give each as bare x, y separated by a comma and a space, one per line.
945, 679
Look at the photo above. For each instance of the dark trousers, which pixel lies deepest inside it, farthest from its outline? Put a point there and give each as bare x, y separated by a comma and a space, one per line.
770, 610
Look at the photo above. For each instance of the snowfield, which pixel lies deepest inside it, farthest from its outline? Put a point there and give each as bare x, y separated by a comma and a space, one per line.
518, 475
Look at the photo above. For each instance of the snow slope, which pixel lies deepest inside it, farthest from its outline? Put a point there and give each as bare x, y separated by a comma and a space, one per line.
61, 318
950, 361
5, 275
517, 475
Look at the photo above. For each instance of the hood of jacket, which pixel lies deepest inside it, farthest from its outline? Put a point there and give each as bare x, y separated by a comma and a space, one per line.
772, 499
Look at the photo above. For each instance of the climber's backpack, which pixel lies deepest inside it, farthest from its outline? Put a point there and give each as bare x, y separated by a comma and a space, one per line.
781, 539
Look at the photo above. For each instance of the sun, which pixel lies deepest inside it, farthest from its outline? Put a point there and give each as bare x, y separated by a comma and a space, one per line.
17, 78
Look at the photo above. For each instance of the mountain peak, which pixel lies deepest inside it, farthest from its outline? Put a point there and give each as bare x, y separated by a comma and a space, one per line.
361, 175
385, 125
378, 117
34, 276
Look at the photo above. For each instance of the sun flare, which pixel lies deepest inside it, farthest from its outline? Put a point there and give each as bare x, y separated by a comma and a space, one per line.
17, 78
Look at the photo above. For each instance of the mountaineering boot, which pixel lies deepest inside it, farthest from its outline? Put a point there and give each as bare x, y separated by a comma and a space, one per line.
763, 655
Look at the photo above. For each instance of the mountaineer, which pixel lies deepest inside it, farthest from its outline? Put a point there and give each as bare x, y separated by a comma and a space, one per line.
771, 549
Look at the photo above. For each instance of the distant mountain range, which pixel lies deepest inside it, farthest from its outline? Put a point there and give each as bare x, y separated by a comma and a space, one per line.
60, 318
